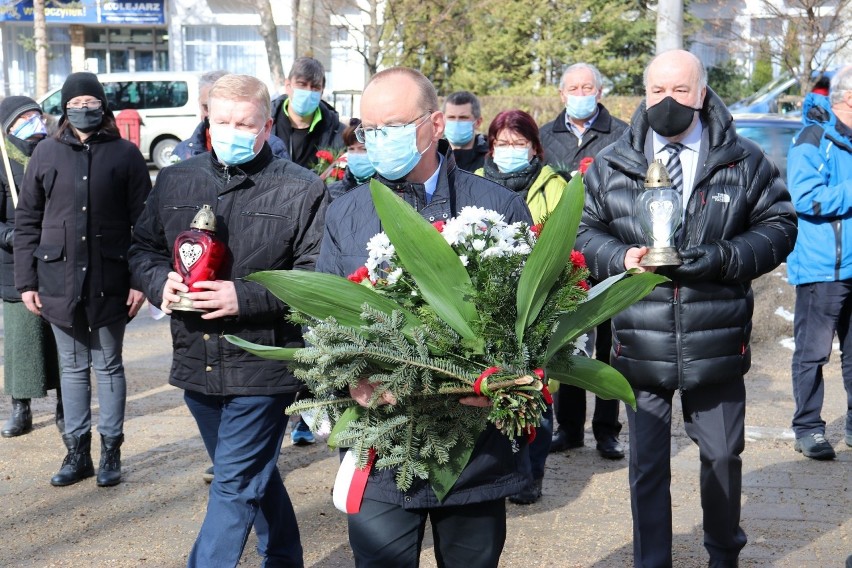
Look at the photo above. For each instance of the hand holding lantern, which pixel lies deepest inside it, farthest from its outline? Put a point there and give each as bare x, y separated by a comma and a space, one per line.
659, 209
198, 255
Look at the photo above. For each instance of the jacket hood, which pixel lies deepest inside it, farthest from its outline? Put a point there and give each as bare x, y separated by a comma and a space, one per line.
816, 109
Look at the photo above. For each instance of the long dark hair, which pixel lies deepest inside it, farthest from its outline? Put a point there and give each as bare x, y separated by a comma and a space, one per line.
108, 125
520, 122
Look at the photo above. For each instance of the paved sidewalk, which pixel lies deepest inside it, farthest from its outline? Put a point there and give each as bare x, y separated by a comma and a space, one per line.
796, 511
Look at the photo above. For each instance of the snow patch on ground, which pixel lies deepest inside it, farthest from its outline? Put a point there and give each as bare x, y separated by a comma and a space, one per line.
784, 313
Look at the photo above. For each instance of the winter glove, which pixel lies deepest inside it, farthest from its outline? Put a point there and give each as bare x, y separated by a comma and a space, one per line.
7, 237
703, 262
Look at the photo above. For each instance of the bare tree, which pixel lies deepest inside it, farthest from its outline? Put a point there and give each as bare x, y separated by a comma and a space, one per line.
40, 44
365, 24
812, 34
269, 33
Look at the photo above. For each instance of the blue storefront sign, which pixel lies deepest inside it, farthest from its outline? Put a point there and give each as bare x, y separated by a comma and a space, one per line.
132, 13
80, 12
86, 12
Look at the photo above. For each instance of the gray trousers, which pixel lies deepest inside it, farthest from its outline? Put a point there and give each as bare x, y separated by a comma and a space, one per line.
79, 348
714, 418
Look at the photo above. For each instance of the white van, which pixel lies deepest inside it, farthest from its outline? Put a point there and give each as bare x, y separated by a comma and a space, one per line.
166, 101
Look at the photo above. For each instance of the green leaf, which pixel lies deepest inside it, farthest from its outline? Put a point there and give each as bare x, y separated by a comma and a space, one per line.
550, 255
435, 267
605, 300
442, 477
593, 375
350, 414
324, 295
265, 351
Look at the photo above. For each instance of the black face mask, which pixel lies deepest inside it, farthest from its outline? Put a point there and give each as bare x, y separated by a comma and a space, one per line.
669, 118
85, 119
29, 145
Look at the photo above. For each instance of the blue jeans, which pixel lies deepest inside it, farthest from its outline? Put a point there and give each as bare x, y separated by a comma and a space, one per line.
245, 433
821, 309
79, 347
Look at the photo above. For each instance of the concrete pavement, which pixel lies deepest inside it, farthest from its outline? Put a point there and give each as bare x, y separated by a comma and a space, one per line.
796, 511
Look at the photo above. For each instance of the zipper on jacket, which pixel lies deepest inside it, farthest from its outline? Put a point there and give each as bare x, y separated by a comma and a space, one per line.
838, 247
678, 345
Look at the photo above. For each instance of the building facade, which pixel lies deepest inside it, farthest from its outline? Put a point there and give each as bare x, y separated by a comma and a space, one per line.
105, 36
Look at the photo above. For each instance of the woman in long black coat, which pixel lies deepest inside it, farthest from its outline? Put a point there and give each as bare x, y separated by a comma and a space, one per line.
83, 190
30, 365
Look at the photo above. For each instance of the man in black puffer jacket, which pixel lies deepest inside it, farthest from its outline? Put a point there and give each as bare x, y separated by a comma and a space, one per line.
470, 523
692, 334
269, 214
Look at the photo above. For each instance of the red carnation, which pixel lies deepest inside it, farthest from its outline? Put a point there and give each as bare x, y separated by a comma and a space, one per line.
325, 155
439, 225
583, 285
536, 229
584, 164
338, 173
359, 275
577, 259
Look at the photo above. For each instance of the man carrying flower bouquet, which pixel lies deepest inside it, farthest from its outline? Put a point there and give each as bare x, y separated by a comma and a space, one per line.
689, 335
402, 129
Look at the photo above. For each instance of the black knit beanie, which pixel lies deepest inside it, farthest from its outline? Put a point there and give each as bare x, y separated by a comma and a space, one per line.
82, 83
13, 107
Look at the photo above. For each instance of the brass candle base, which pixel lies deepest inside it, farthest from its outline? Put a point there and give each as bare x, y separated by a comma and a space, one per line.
184, 305
663, 256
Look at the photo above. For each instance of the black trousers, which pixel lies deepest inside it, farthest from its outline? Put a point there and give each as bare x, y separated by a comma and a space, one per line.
466, 536
714, 418
571, 400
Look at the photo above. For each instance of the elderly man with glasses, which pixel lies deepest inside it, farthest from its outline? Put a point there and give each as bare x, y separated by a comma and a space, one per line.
402, 130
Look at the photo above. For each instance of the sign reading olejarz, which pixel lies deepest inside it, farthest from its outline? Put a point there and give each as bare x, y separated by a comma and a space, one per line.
132, 13
86, 12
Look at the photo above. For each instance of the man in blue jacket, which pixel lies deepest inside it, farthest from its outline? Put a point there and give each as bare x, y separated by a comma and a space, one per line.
819, 172
402, 129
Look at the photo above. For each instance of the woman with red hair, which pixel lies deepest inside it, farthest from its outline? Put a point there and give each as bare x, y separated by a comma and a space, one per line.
515, 161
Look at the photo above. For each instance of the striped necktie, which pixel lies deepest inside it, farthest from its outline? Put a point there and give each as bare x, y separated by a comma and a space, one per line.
674, 166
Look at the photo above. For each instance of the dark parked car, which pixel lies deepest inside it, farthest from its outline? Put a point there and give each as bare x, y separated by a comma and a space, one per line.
772, 132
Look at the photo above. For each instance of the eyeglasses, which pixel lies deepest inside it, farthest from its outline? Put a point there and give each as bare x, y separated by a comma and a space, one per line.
363, 134
511, 144
86, 105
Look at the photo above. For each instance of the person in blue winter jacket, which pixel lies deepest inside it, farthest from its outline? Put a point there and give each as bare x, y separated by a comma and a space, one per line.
819, 174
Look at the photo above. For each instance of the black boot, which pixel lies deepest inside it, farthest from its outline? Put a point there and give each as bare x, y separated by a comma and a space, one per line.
109, 471
60, 413
21, 420
77, 464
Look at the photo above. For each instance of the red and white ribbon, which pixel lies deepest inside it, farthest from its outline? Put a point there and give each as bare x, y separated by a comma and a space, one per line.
350, 483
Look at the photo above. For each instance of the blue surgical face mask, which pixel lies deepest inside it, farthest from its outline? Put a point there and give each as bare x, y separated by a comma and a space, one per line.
34, 126
360, 165
394, 154
580, 107
232, 146
459, 132
304, 102
510, 160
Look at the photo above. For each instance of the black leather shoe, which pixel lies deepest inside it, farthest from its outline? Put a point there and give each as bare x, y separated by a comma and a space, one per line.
610, 448
109, 470
561, 442
529, 495
21, 420
77, 464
